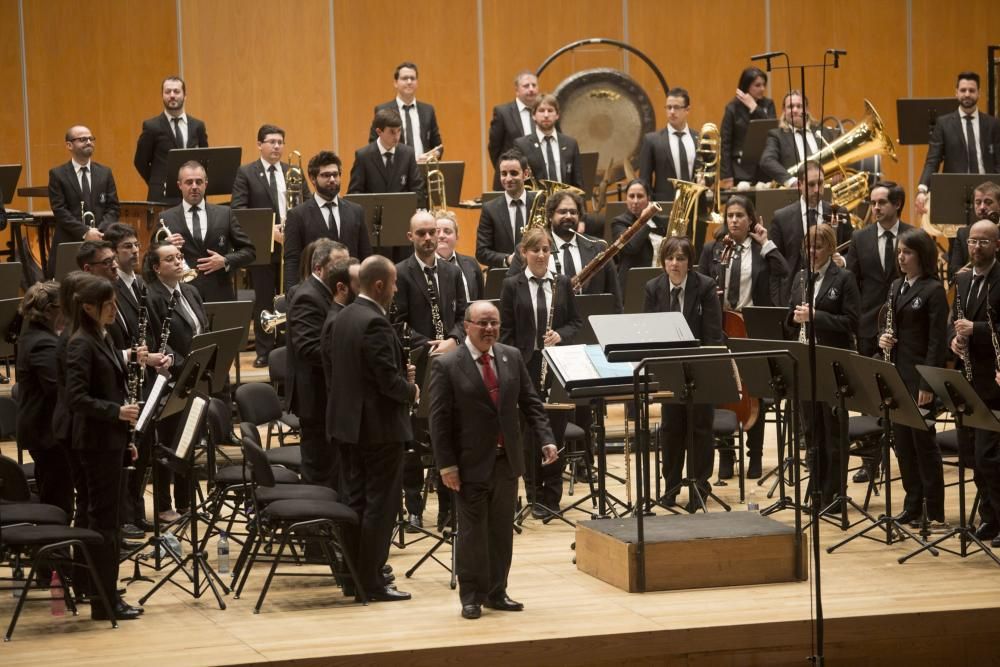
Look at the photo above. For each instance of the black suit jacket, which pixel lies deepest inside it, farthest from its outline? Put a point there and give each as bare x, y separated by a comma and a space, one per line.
472, 273
570, 168
37, 386
307, 387
920, 324
786, 232
768, 273
430, 134
947, 144
182, 330
958, 251
305, 224
865, 263
735, 123
413, 301
252, 189
128, 306
836, 308
369, 175
496, 237
326, 352
702, 308
65, 197
369, 404
505, 127
656, 162
155, 141
638, 251
517, 315
223, 235
95, 390
780, 154
981, 352
465, 423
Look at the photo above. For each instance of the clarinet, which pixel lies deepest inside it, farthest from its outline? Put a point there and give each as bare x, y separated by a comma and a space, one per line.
435, 309
966, 356
993, 331
890, 305
136, 373
803, 336
548, 327
165, 332
406, 340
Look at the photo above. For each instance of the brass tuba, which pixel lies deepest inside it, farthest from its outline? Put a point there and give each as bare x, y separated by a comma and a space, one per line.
684, 211
544, 189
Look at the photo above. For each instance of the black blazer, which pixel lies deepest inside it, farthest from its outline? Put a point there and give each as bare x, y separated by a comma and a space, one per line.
223, 235
182, 330
369, 404
305, 224
570, 168
656, 162
920, 324
37, 386
638, 251
252, 189
702, 308
62, 420
947, 144
430, 134
981, 352
369, 175
836, 308
465, 423
505, 127
65, 197
326, 352
95, 391
768, 273
128, 306
873, 281
413, 301
517, 315
786, 232
735, 123
306, 383
155, 141
958, 251
473, 275
494, 238
780, 154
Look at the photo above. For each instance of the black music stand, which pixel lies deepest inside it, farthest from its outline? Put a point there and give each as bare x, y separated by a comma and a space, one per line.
586, 306
494, 282
454, 173
962, 401
766, 202
227, 344
953, 199
224, 315
387, 217
66, 259
884, 393
258, 223
487, 197
8, 320
220, 163
10, 174
634, 289
916, 117
765, 322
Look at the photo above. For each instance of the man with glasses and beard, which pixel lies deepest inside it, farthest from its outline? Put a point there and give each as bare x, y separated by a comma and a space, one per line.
986, 202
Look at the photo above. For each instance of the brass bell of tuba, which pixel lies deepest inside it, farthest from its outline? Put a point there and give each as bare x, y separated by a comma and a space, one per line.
543, 190
270, 321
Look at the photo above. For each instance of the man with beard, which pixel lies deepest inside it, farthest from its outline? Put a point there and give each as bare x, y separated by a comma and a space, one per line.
503, 218
324, 215
986, 202
512, 120
786, 146
552, 155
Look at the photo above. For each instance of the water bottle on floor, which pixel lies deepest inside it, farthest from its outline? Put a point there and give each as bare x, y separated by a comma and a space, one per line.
223, 554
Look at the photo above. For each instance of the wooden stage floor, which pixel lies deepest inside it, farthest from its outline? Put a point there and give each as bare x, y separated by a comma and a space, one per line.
932, 611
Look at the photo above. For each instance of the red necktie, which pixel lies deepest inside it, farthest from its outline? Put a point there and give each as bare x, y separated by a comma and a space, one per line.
492, 386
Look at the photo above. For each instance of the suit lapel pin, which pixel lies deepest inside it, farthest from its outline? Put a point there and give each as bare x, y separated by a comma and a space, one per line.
916, 303
402, 180
504, 358
222, 241
102, 198
833, 293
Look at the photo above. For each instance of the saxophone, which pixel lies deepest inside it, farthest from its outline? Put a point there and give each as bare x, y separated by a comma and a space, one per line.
890, 305
966, 355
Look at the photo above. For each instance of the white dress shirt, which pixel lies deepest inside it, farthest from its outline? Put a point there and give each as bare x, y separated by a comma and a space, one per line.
975, 132
418, 145
883, 240
557, 167
202, 219
548, 280
524, 113
279, 179
183, 125
512, 211
78, 170
326, 212
675, 150
556, 258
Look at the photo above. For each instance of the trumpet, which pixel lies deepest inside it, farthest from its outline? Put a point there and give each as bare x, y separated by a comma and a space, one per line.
87, 217
162, 235
271, 320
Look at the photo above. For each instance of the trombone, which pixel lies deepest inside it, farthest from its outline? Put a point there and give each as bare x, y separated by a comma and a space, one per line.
270, 320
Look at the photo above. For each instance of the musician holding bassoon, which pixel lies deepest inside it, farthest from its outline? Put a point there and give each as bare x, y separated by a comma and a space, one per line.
640, 250
749, 271
915, 332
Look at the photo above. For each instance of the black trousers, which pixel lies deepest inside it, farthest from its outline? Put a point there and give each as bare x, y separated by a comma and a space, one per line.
102, 470
673, 440
485, 535
868, 347
320, 459
543, 484
818, 419
374, 476
54, 476
134, 504
164, 475
987, 472
922, 471
265, 286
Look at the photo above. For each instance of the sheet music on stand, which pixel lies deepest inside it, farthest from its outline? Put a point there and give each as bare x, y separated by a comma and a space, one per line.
155, 394
192, 423
580, 366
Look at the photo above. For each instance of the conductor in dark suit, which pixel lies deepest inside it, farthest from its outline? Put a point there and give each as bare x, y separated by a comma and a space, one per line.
785, 147
369, 408
324, 215
476, 394
209, 236
512, 120
966, 141
263, 184
447, 238
986, 202
750, 103
420, 126
552, 155
173, 128
78, 189
386, 165
671, 152
503, 218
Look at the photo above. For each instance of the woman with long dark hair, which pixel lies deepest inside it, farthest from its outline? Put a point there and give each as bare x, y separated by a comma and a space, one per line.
641, 248
750, 103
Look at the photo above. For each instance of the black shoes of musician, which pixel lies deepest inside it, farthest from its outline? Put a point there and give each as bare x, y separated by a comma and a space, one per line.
132, 532
988, 531
387, 569
861, 475
169, 516
905, 517
726, 465
995, 543
260, 362
145, 526
442, 521
754, 468
538, 511
414, 523
387, 594
122, 611
503, 603
131, 545
668, 501
471, 611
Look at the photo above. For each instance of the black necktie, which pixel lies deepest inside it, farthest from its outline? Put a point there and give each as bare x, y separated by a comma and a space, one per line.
178, 137
970, 142
136, 291
904, 288
408, 139
733, 292
85, 185
550, 167
541, 313
518, 219
331, 222
682, 156
531, 121
812, 215
388, 160
889, 256
185, 315
675, 300
273, 181
972, 303
569, 266
199, 236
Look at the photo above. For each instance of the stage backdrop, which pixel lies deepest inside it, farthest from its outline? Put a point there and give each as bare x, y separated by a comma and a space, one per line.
318, 67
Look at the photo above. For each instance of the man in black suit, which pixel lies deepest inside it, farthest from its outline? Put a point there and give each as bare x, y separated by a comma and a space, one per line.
79, 189
420, 126
978, 292
476, 394
307, 389
967, 141
386, 165
873, 261
785, 148
512, 120
209, 236
324, 215
263, 184
369, 409
174, 128
447, 238
503, 218
551, 155
673, 151
986, 202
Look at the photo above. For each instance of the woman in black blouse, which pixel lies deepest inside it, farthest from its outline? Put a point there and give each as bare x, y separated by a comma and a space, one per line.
749, 104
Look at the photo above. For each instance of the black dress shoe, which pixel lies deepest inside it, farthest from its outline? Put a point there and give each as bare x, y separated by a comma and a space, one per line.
753, 468
260, 362
389, 578
861, 475
668, 501
905, 517
387, 594
414, 523
387, 569
122, 612
132, 532
471, 611
131, 545
988, 531
503, 603
995, 543
538, 512
145, 526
